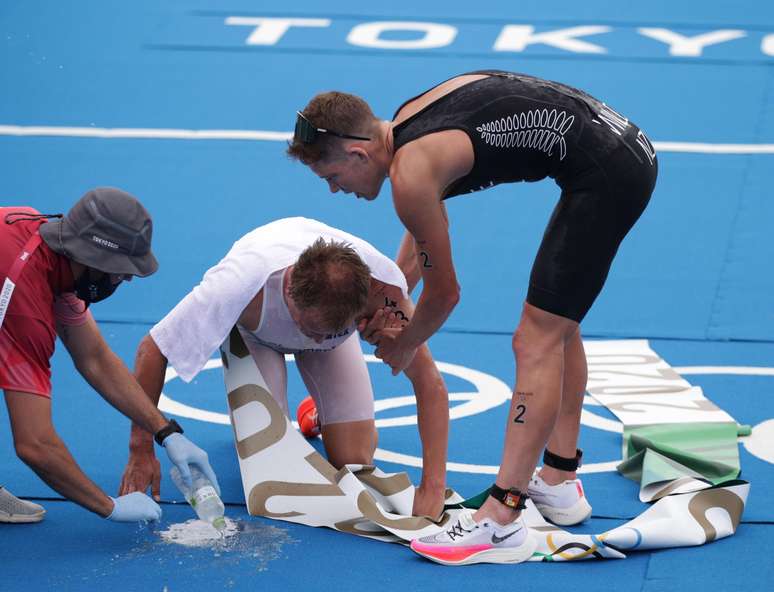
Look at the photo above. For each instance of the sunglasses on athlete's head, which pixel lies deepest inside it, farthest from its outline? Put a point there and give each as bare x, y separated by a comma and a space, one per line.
307, 133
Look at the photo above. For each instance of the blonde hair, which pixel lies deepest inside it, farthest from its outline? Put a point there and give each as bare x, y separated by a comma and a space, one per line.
342, 112
331, 278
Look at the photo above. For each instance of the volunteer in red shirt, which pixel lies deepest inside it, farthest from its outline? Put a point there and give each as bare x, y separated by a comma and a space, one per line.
52, 267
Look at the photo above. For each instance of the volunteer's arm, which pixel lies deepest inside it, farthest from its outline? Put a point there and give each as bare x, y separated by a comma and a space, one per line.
108, 375
41, 448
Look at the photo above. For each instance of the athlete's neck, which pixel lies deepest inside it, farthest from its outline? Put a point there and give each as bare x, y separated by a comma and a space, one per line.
383, 153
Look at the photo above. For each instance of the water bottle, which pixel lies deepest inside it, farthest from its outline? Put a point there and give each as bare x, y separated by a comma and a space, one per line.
202, 497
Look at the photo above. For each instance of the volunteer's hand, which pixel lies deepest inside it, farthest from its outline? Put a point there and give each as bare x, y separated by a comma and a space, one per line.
134, 507
182, 452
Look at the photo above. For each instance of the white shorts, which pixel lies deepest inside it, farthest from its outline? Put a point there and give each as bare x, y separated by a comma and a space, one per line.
337, 379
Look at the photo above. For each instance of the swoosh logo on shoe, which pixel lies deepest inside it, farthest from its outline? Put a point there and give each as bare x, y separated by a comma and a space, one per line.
497, 540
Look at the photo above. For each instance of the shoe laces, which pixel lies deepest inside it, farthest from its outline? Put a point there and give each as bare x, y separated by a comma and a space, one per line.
458, 531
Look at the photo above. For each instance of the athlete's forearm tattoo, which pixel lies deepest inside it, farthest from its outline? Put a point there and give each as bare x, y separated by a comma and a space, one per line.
426, 259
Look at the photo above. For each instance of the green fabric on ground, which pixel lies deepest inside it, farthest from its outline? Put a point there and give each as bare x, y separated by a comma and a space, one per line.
665, 452
474, 503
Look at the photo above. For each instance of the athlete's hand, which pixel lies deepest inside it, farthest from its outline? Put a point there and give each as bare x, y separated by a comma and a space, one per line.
429, 502
384, 318
392, 352
134, 507
142, 470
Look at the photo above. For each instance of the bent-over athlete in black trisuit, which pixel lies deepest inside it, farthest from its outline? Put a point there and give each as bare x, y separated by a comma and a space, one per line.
466, 134
526, 129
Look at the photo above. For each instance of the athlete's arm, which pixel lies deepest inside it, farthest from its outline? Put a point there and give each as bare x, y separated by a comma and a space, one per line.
143, 469
416, 194
433, 422
389, 311
407, 261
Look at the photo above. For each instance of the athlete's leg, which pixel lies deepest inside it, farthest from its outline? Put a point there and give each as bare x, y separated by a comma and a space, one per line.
339, 383
563, 440
571, 266
271, 365
349, 442
539, 345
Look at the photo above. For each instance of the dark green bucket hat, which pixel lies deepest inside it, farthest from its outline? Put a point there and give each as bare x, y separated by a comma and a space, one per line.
107, 230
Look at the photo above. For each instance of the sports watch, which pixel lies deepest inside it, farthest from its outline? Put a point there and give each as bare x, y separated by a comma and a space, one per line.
171, 428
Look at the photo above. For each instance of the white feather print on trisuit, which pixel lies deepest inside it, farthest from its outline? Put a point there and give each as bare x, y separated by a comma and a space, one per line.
538, 129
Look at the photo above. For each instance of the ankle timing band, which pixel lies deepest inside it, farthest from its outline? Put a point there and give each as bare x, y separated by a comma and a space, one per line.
513, 498
561, 463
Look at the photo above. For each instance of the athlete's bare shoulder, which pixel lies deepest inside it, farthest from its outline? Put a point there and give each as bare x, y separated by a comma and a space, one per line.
435, 160
432, 162
435, 93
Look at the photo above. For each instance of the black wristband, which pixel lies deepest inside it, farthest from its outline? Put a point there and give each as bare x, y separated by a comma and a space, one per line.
171, 428
513, 498
561, 463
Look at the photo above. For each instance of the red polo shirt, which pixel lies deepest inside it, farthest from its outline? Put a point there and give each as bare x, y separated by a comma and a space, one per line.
43, 296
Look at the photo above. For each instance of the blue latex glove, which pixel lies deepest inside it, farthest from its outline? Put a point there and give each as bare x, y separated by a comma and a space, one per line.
182, 452
134, 507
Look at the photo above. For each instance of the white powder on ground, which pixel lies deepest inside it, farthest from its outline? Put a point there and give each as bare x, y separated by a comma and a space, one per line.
198, 533
239, 541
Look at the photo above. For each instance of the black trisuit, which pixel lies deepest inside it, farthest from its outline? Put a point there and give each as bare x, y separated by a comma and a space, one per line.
526, 129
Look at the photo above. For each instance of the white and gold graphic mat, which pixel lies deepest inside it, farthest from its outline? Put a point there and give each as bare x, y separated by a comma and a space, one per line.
285, 478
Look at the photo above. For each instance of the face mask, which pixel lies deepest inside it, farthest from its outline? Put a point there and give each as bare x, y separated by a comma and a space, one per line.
90, 290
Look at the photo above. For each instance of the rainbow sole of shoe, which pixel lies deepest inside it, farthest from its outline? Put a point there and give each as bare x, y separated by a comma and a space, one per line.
452, 555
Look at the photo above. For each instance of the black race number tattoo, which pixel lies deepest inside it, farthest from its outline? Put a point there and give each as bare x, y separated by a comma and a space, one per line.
521, 409
393, 304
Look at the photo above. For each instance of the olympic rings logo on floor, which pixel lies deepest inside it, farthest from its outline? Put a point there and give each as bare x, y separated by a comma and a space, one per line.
490, 392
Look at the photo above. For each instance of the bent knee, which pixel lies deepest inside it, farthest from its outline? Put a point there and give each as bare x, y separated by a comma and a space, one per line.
350, 457
351, 443
541, 333
353, 460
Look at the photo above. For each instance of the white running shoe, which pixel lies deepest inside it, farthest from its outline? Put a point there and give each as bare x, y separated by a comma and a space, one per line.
468, 541
563, 504
12, 509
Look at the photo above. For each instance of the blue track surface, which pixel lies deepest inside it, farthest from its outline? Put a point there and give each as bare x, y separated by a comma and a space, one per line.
694, 276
